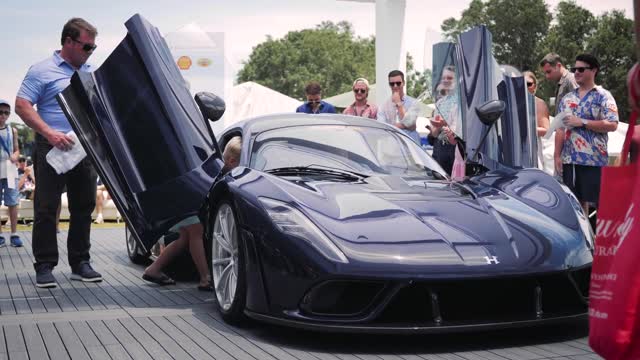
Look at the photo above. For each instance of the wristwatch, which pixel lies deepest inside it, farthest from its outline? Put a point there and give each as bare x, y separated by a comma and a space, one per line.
584, 123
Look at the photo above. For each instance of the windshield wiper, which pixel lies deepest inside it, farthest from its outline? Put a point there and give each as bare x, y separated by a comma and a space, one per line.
317, 170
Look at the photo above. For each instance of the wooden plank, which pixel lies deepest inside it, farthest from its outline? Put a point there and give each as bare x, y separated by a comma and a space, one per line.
143, 293
3, 344
19, 301
234, 350
169, 344
128, 342
76, 299
154, 349
6, 302
102, 333
234, 337
187, 344
15, 339
117, 351
89, 298
165, 299
86, 335
98, 353
46, 296
196, 336
71, 341
120, 291
52, 341
30, 293
33, 341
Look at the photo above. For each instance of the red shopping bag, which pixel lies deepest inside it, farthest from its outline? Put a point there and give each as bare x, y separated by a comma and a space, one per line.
459, 165
614, 295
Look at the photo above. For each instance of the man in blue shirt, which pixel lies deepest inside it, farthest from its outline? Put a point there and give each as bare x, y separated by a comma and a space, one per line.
314, 104
40, 86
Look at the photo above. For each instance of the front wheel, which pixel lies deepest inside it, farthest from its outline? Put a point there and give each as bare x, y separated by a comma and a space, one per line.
227, 264
134, 251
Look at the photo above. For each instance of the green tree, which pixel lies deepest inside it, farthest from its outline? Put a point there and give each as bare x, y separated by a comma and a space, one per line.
613, 44
417, 81
517, 27
330, 54
567, 37
26, 138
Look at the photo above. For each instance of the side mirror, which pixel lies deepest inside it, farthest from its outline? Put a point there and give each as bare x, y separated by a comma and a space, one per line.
490, 111
211, 106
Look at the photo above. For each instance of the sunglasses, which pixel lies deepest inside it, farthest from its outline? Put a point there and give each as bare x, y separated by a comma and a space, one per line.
580, 69
359, 91
395, 83
5, 112
86, 46
530, 83
311, 102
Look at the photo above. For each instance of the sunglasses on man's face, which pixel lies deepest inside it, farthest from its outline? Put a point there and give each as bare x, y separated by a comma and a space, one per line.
5, 112
312, 102
395, 83
87, 47
359, 91
580, 69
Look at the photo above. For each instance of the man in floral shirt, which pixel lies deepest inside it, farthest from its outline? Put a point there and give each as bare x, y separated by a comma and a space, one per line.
591, 112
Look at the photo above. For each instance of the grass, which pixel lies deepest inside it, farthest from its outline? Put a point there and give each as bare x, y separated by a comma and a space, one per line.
64, 225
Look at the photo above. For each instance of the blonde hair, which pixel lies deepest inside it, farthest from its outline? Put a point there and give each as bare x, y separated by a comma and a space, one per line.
362, 80
532, 75
232, 149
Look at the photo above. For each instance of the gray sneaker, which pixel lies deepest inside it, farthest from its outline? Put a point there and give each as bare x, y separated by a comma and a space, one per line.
84, 272
44, 277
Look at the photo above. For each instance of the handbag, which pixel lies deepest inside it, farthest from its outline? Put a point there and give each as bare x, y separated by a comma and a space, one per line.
459, 165
614, 295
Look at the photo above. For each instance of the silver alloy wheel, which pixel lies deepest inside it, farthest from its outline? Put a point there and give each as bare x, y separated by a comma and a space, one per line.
224, 259
131, 245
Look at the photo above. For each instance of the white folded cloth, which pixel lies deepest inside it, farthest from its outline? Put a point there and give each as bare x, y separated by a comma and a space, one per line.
557, 123
63, 161
12, 174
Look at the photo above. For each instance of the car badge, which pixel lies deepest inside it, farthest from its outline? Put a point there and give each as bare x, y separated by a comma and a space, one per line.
493, 260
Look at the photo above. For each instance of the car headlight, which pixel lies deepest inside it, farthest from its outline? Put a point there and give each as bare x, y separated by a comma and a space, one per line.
293, 222
587, 231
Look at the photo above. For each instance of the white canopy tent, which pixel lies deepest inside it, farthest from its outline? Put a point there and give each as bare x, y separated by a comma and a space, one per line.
251, 99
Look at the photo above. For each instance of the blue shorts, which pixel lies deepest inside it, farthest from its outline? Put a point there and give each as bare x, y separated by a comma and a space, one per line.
185, 222
8, 196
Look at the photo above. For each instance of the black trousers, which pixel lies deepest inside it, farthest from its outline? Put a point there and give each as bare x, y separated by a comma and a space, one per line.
81, 194
444, 154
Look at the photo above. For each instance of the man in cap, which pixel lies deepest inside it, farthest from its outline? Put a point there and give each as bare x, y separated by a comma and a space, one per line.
361, 107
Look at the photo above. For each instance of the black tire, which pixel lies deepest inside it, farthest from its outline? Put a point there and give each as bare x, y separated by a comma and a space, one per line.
134, 250
235, 313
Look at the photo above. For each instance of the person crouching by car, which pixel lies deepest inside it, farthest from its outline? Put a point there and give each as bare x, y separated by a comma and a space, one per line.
191, 231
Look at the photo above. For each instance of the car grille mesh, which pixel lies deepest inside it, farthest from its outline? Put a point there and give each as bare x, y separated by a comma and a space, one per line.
455, 302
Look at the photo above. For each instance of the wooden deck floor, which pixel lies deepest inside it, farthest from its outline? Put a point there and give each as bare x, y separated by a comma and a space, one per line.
126, 318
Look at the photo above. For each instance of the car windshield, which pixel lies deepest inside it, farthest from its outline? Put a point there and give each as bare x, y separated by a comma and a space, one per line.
364, 150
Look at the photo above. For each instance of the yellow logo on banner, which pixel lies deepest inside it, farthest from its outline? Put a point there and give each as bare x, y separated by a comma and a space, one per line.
184, 62
204, 62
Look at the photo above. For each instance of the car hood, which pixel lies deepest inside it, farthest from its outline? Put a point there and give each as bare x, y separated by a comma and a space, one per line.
144, 133
402, 220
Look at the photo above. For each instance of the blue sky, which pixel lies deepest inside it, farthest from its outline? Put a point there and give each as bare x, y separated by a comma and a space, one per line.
31, 29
